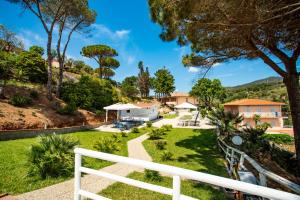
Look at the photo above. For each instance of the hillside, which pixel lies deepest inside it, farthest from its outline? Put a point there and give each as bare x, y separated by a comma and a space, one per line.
40, 112
271, 88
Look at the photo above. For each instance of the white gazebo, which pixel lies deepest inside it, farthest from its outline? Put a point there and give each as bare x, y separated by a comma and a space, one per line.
119, 107
186, 105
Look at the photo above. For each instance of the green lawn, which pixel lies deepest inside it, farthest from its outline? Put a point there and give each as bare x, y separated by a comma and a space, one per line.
170, 116
14, 165
192, 149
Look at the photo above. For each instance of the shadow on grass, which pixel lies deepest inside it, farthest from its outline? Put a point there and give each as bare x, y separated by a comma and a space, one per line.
207, 154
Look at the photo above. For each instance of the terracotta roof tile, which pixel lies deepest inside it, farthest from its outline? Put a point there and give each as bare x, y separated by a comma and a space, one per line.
252, 102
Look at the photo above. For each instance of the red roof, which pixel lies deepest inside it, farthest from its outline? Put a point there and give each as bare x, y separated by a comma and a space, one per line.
253, 102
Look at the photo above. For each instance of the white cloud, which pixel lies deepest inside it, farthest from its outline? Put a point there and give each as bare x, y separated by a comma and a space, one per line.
30, 38
216, 64
122, 33
104, 32
130, 59
193, 69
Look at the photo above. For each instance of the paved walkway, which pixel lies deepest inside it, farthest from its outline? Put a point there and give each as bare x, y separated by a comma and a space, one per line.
174, 123
91, 183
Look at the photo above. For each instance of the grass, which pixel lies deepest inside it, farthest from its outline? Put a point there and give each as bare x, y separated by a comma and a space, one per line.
14, 165
122, 191
192, 149
186, 117
170, 116
279, 138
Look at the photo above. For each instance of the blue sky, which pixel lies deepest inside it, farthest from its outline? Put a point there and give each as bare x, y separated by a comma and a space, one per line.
127, 27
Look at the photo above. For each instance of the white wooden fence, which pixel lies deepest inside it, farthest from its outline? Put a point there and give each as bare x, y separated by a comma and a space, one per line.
176, 172
232, 155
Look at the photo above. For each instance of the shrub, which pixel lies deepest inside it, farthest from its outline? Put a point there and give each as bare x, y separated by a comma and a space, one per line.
160, 144
167, 127
34, 94
107, 145
135, 130
52, 157
20, 101
166, 155
100, 113
279, 138
149, 124
124, 134
68, 109
152, 175
253, 133
156, 134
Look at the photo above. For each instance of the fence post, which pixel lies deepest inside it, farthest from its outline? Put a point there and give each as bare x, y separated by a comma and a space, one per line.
242, 159
262, 179
77, 176
176, 188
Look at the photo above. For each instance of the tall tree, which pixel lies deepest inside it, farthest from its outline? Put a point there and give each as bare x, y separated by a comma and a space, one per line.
144, 80
49, 12
103, 55
223, 30
129, 87
163, 82
208, 92
76, 17
9, 41
7, 62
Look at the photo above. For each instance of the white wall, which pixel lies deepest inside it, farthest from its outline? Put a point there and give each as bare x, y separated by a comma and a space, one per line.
145, 114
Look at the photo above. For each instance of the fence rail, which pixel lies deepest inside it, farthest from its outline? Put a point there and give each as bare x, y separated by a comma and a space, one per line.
176, 172
232, 155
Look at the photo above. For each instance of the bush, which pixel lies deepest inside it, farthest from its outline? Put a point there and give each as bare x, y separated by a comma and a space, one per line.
34, 94
20, 101
152, 175
166, 155
253, 133
149, 124
167, 127
156, 134
107, 145
68, 109
52, 157
100, 113
135, 130
279, 138
160, 144
124, 134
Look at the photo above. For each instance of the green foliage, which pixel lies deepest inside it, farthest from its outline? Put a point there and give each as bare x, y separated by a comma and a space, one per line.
129, 87
144, 82
124, 134
167, 155
253, 133
103, 54
9, 41
227, 122
107, 145
30, 66
89, 93
163, 82
157, 134
100, 113
20, 101
149, 124
209, 92
152, 175
68, 109
37, 50
53, 156
167, 127
279, 138
160, 144
34, 94
7, 63
135, 130
170, 116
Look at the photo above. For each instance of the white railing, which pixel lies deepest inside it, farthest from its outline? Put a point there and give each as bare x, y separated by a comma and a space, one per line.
176, 172
262, 114
232, 155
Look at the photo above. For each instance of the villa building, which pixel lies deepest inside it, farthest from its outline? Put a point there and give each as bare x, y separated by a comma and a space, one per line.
269, 111
178, 98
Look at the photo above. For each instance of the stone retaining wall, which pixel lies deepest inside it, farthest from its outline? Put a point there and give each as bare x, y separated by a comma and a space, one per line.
29, 133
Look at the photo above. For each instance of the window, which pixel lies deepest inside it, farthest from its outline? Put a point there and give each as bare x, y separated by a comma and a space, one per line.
127, 111
247, 109
272, 109
258, 109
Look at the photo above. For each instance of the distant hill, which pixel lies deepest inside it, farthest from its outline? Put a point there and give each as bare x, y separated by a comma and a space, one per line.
269, 80
271, 88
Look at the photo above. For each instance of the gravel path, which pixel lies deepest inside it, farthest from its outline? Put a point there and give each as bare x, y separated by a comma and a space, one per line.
91, 183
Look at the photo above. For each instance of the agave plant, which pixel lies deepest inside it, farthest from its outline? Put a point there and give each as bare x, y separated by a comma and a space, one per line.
52, 156
227, 122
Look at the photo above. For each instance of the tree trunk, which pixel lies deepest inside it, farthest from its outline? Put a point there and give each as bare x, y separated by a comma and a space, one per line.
49, 59
293, 89
60, 78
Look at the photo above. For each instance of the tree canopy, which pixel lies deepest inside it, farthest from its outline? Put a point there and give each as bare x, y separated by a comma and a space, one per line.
163, 82
103, 55
9, 41
144, 83
129, 87
208, 92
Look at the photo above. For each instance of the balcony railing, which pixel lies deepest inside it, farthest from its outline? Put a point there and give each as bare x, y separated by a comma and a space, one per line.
262, 114
176, 172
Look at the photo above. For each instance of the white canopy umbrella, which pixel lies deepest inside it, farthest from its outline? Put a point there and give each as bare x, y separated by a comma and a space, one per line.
118, 107
186, 105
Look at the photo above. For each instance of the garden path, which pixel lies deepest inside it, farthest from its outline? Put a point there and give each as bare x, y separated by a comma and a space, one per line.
91, 183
